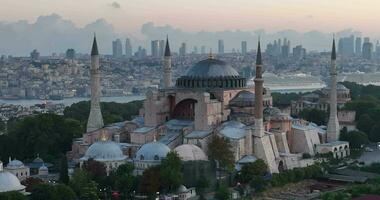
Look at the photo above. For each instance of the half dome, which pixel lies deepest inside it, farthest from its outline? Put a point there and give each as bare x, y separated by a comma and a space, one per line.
190, 152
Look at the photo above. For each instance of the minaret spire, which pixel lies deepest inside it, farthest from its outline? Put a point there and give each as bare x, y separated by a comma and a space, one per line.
167, 47
94, 49
95, 119
333, 124
167, 66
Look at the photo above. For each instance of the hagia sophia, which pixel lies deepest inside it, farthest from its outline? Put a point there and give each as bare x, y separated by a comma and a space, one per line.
210, 99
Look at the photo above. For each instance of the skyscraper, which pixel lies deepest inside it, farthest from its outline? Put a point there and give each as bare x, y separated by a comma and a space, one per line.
95, 119
117, 48
244, 47
358, 46
367, 49
182, 49
346, 46
299, 52
333, 124
161, 47
220, 47
154, 47
128, 48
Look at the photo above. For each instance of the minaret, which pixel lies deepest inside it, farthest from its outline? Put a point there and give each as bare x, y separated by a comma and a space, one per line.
264, 145
259, 127
333, 124
167, 66
95, 120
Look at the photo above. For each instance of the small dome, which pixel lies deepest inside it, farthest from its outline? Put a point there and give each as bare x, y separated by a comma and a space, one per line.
104, 151
182, 189
43, 168
211, 68
38, 160
243, 98
190, 152
233, 130
152, 151
14, 164
9, 182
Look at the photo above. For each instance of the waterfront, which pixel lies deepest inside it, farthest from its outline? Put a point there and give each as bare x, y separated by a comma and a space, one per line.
70, 101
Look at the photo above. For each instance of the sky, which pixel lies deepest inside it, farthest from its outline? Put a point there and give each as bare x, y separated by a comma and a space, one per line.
127, 16
38, 23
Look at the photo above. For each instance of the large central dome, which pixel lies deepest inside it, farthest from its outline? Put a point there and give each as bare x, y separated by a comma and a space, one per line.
211, 68
211, 73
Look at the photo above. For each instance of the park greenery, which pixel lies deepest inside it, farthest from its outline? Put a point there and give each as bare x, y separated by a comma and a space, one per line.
51, 135
366, 103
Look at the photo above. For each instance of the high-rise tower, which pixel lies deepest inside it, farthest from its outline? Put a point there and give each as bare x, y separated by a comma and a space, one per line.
167, 66
262, 143
333, 124
95, 119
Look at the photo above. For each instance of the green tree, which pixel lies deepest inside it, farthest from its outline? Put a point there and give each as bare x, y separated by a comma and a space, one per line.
171, 171
14, 195
52, 192
82, 185
355, 138
222, 193
374, 135
97, 171
49, 135
150, 181
125, 182
43, 192
64, 192
314, 115
251, 170
365, 123
63, 170
219, 150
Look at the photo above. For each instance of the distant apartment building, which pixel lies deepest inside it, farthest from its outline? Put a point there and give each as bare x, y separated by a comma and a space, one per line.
182, 49
128, 48
117, 48
367, 49
358, 46
244, 47
35, 55
220, 47
346, 46
70, 54
299, 52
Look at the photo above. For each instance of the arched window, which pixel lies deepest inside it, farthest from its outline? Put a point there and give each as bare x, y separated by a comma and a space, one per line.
141, 157
156, 157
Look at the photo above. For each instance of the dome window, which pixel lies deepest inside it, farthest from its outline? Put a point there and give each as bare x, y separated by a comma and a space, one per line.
156, 157
141, 157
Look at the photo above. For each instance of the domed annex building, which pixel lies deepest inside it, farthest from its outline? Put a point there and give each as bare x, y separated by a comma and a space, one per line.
9, 182
18, 168
149, 155
107, 152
